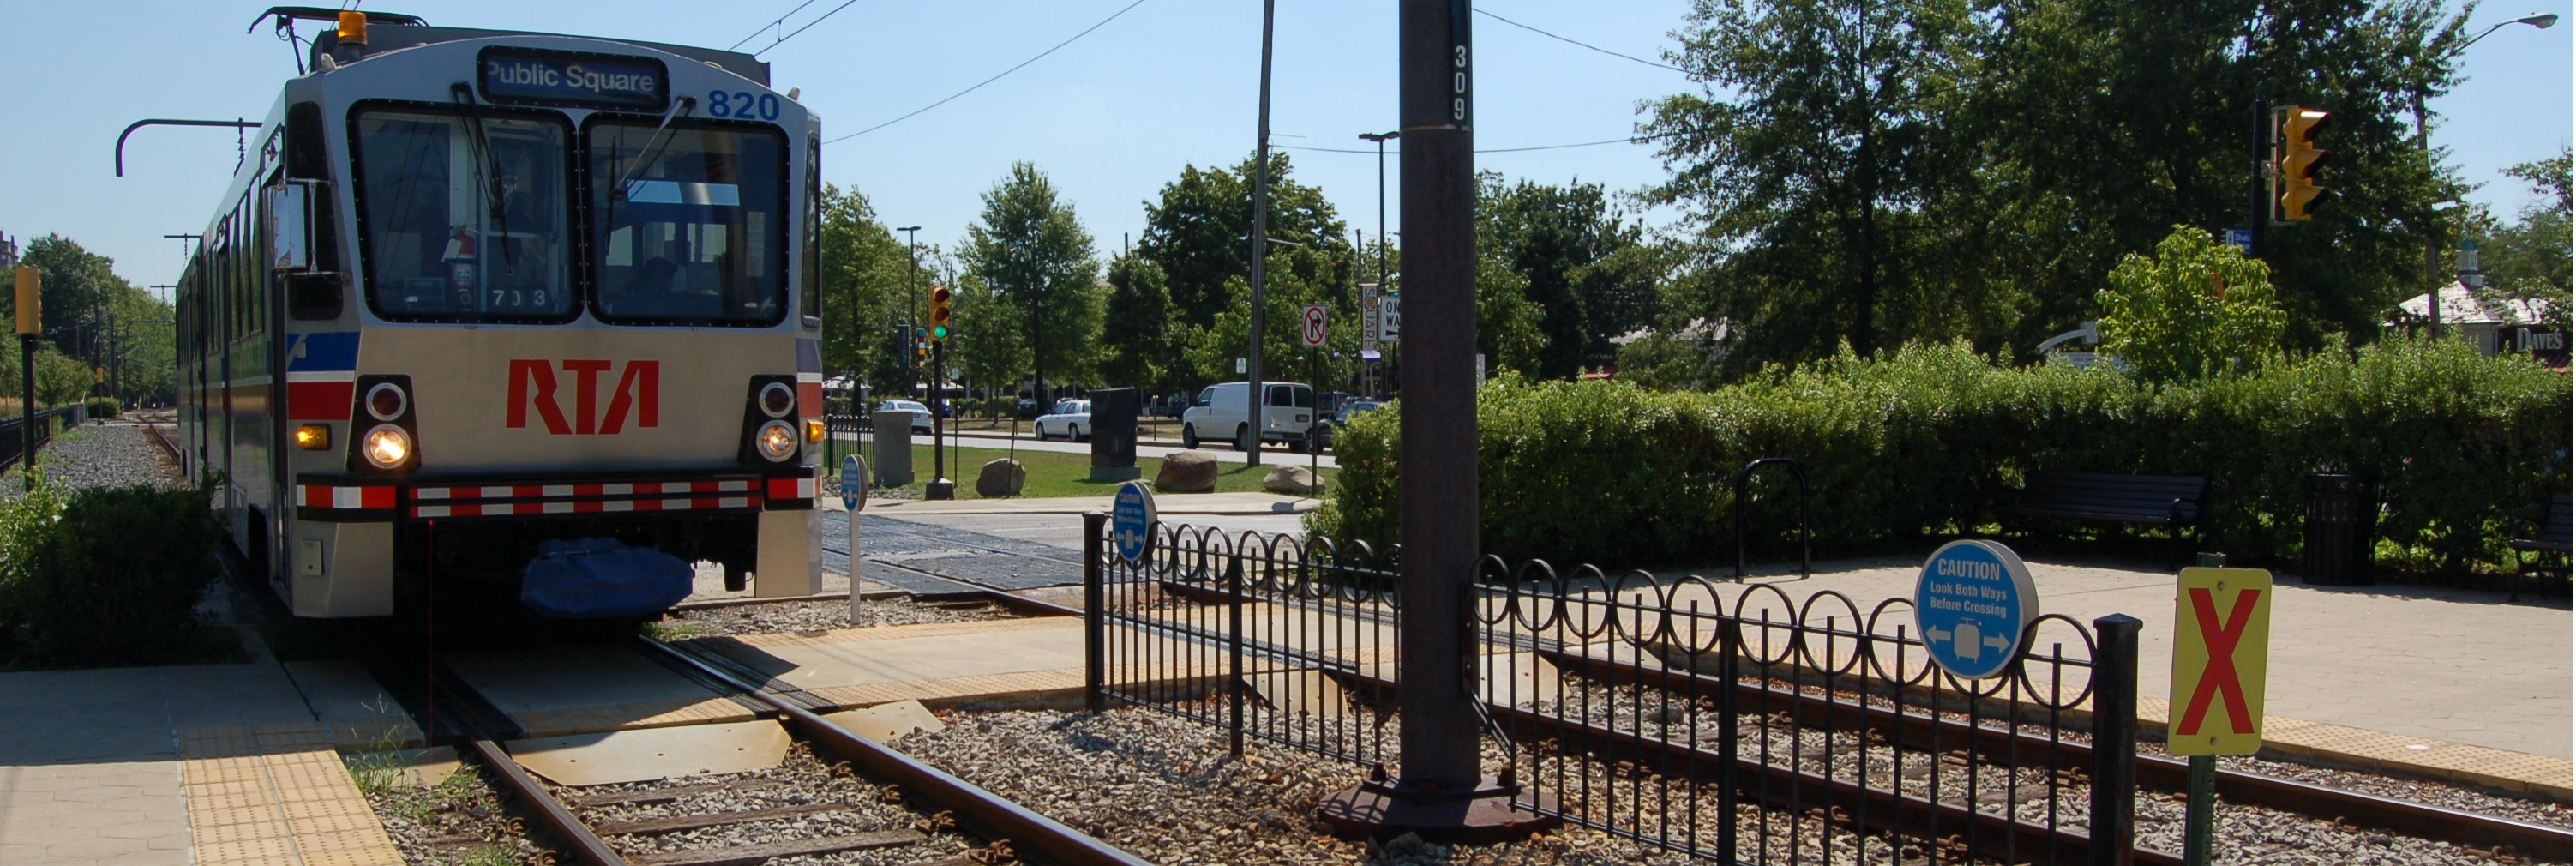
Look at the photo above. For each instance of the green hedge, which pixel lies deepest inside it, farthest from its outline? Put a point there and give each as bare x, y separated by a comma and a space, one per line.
104, 576
103, 407
1930, 440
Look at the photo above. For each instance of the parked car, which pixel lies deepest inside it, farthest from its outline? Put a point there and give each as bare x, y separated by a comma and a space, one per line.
1071, 420
920, 413
1333, 423
1026, 409
1225, 411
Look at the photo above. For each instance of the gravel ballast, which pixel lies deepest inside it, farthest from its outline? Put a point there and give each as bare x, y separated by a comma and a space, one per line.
115, 454
813, 616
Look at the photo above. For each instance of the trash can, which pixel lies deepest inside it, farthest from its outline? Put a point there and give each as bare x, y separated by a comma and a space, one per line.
2342, 527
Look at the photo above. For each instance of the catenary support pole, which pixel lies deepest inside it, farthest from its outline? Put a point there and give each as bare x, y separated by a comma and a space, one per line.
1255, 419
1438, 486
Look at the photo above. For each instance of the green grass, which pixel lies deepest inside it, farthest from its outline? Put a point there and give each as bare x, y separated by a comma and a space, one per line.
1055, 473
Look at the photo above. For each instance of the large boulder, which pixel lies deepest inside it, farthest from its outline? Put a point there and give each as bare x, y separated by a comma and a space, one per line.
1001, 477
1186, 472
1292, 481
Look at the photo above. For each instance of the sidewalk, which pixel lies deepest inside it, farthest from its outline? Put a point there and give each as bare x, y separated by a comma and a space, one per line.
1169, 504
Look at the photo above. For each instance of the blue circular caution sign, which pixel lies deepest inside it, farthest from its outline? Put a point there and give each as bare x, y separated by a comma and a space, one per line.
1131, 521
854, 483
1971, 604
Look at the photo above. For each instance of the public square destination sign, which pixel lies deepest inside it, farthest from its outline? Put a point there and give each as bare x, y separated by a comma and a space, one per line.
1971, 605
2222, 636
1131, 521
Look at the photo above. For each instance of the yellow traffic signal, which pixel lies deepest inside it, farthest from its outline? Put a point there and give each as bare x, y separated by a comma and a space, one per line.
939, 297
2300, 159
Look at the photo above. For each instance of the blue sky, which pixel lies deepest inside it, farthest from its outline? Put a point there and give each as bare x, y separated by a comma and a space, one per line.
1111, 117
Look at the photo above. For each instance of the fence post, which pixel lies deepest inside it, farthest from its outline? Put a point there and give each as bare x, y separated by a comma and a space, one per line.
2115, 739
1095, 613
1234, 654
1730, 654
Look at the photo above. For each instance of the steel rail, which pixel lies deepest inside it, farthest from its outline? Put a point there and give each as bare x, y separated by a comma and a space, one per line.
459, 723
2163, 774
997, 818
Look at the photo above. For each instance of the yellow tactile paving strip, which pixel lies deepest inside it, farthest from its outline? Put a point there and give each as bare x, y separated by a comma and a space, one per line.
2320, 742
276, 795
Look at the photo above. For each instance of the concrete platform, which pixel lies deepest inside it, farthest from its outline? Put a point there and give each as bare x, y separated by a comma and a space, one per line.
588, 689
167, 766
1027, 661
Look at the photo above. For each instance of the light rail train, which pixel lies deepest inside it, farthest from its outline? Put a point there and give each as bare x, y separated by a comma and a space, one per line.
474, 294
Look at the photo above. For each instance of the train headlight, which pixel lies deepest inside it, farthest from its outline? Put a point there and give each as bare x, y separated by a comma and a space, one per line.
813, 429
776, 441
776, 399
313, 437
386, 446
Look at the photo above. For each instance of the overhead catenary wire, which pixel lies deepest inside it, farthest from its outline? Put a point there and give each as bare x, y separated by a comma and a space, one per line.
996, 76
1575, 42
1634, 139
782, 19
809, 25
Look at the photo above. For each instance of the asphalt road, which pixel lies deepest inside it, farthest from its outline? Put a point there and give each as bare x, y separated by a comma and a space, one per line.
1274, 455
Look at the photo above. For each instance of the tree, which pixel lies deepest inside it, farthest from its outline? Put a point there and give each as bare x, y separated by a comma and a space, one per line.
987, 346
96, 319
1582, 263
868, 290
2197, 308
1806, 163
1199, 232
1028, 247
1136, 338
2531, 258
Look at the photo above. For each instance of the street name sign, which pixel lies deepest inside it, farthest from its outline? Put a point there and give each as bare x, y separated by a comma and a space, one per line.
2222, 639
1971, 604
1314, 330
1131, 521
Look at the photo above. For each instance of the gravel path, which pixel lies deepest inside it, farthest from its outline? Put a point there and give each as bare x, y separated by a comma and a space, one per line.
93, 455
808, 616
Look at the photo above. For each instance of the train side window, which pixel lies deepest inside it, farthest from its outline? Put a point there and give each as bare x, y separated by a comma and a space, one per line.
811, 285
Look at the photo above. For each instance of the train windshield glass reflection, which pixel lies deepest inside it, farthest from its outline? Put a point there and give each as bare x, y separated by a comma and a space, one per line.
456, 237
698, 231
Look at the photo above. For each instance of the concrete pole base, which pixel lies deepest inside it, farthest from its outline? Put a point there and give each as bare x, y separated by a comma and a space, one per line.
1385, 809
939, 488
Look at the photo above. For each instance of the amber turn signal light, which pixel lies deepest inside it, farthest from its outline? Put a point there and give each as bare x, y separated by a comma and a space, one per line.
313, 437
813, 429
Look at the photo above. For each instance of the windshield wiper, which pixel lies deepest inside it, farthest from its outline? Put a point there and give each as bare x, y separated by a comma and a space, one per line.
499, 209
651, 153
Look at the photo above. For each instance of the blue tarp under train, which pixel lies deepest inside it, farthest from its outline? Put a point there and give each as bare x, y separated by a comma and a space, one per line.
599, 577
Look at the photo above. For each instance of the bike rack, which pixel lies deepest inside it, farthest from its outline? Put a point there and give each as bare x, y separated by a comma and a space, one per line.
1806, 552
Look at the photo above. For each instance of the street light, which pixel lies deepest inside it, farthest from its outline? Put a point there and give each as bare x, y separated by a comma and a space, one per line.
1381, 139
2424, 145
912, 249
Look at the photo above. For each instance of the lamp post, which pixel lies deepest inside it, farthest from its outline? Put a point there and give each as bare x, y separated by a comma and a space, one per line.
1381, 139
2424, 145
912, 250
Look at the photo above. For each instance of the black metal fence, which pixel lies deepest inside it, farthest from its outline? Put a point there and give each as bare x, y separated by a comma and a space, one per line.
1733, 721
13, 436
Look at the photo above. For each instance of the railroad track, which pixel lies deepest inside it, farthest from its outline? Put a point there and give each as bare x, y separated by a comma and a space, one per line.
584, 823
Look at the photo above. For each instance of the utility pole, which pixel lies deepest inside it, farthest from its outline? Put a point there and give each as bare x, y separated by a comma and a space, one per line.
1258, 416
1439, 791
1367, 376
912, 249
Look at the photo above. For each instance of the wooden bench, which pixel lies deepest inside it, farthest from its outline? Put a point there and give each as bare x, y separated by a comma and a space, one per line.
2171, 501
2553, 532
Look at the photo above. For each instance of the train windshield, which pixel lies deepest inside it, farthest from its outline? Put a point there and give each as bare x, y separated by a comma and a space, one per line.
697, 230
465, 216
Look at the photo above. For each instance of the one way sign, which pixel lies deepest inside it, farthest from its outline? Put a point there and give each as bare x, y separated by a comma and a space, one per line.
2222, 636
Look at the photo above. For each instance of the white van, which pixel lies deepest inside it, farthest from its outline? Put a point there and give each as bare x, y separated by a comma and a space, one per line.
1219, 413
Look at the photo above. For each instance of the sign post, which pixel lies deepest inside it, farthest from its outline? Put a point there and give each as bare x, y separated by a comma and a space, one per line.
2222, 639
1314, 333
31, 296
854, 497
1972, 603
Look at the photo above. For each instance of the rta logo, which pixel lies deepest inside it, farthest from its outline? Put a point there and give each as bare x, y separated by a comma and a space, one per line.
638, 390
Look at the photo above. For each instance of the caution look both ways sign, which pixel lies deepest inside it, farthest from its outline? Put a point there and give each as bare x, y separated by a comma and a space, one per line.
2222, 636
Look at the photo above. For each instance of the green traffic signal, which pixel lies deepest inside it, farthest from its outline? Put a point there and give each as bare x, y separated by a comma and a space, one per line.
939, 332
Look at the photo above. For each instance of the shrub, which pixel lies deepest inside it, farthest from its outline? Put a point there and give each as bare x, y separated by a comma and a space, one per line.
105, 576
104, 407
1930, 440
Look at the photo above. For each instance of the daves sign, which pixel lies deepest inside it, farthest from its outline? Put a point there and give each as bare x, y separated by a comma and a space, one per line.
636, 393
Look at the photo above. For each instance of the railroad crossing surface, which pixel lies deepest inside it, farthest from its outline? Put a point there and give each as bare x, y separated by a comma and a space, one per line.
235, 763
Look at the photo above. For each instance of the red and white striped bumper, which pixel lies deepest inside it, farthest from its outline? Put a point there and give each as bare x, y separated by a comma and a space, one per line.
338, 499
